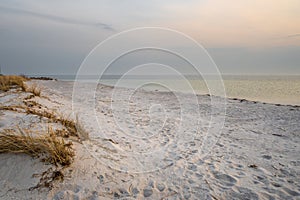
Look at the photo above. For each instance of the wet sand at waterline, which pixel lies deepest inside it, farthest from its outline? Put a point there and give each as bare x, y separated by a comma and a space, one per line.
142, 148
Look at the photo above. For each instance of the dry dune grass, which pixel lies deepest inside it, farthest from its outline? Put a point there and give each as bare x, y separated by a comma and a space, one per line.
15, 108
55, 150
50, 145
74, 127
9, 81
30, 103
34, 89
6, 82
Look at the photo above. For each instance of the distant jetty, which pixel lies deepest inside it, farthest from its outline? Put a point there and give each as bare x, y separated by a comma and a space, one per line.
43, 78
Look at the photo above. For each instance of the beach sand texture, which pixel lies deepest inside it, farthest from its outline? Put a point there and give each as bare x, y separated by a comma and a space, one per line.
257, 155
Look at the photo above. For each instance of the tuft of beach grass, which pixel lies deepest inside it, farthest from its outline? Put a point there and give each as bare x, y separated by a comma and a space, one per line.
7, 82
34, 89
74, 127
55, 150
10, 81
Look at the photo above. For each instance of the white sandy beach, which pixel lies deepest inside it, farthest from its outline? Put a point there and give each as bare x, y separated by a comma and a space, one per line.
257, 155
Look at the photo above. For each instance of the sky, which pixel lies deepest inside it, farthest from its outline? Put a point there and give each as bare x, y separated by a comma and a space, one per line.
243, 37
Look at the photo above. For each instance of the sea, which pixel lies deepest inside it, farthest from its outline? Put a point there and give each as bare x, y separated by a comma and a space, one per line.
276, 89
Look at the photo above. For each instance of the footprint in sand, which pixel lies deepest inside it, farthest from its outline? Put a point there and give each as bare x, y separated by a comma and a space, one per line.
225, 179
242, 193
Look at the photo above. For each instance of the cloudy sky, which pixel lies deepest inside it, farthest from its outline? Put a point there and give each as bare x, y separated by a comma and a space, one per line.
243, 37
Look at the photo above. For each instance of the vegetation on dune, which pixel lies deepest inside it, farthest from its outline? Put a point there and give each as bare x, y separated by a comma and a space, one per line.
74, 127
7, 82
51, 144
10, 81
34, 89
55, 150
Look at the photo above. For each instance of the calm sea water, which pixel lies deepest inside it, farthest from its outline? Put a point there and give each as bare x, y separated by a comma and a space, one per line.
270, 89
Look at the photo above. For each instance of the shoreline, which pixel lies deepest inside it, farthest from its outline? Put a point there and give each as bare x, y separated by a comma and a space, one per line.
276, 100
241, 99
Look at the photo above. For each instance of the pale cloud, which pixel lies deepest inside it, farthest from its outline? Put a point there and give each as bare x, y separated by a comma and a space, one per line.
247, 23
55, 18
241, 23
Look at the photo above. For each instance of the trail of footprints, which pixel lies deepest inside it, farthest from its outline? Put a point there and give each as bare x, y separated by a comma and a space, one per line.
224, 174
